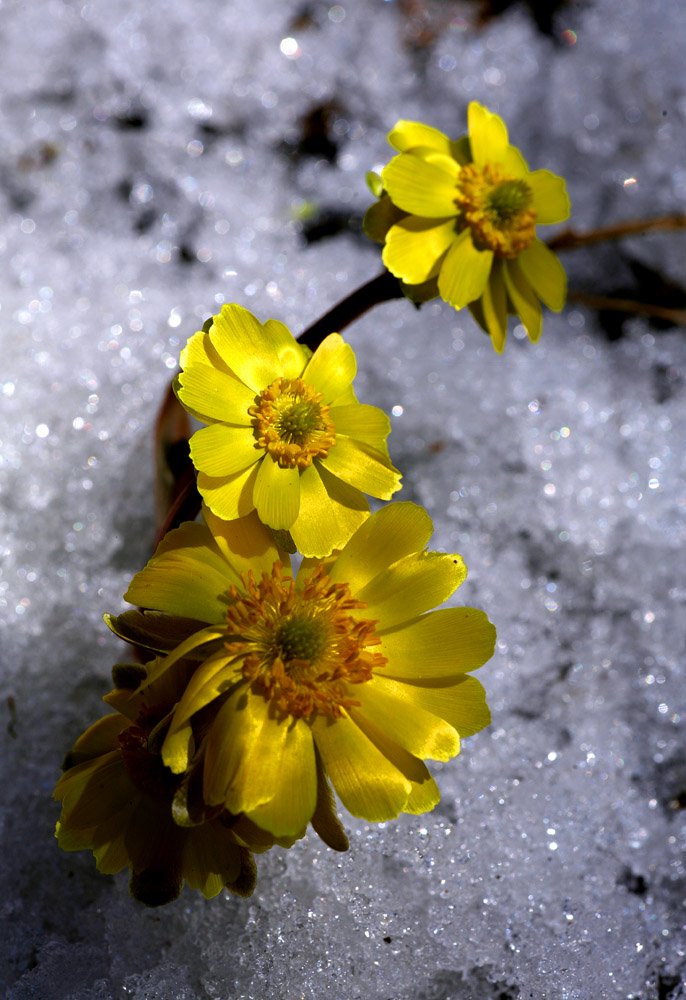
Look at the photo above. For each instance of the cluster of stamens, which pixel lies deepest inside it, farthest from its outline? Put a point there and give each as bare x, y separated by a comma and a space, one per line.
292, 423
302, 649
497, 209
143, 764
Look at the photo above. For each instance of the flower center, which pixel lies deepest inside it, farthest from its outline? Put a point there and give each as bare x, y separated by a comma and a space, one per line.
144, 766
292, 423
497, 209
302, 649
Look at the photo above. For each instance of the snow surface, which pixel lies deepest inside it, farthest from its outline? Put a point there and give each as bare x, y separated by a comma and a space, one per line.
145, 178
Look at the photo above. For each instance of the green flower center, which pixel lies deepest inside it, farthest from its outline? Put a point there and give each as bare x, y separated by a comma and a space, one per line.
496, 208
507, 200
292, 423
301, 637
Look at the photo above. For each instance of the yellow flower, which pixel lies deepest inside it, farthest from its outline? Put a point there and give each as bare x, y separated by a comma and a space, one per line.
286, 435
120, 801
459, 219
343, 671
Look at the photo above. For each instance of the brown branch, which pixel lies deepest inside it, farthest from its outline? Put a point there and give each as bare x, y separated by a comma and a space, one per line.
676, 316
571, 240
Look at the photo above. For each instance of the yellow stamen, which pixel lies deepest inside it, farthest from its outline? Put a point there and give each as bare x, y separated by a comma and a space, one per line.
497, 209
292, 423
302, 649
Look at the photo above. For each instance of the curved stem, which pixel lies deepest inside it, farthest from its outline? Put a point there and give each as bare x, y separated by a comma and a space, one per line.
382, 288
570, 239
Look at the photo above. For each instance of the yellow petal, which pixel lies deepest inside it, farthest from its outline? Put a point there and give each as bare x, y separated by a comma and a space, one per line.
362, 466
546, 275
200, 351
187, 576
245, 543
292, 358
94, 791
410, 587
494, 305
420, 187
414, 247
250, 350
523, 299
101, 737
215, 395
487, 135
418, 731
363, 423
423, 791
277, 494
405, 134
451, 641
325, 821
379, 218
331, 368
211, 858
551, 200
318, 529
423, 797
464, 272
214, 677
460, 699
366, 782
229, 497
220, 450
388, 535
515, 164
290, 810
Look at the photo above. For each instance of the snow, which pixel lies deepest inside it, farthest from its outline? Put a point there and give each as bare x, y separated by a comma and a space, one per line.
147, 174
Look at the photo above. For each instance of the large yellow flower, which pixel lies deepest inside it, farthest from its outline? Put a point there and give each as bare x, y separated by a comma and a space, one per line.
120, 801
459, 219
286, 435
338, 672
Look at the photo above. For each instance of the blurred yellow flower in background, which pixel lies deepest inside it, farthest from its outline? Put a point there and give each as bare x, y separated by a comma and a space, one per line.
458, 219
342, 672
286, 436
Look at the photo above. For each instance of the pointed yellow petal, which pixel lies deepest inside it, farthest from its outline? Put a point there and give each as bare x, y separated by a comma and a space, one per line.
211, 858
418, 731
363, 423
187, 576
250, 350
290, 810
551, 200
523, 299
546, 275
420, 187
331, 368
277, 494
366, 781
379, 218
317, 530
229, 497
292, 358
362, 466
415, 584
245, 543
494, 305
219, 450
487, 135
464, 272
414, 247
451, 641
388, 535
405, 134
215, 395
460, 699
325, 821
